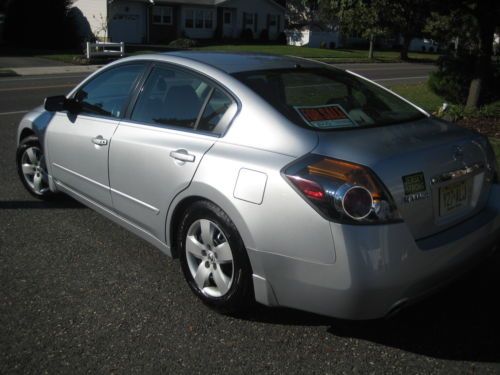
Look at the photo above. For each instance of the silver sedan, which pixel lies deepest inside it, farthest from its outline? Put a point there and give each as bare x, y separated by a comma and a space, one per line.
273, 179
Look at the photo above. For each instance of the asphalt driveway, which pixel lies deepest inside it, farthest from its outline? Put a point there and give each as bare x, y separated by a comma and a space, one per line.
79, 294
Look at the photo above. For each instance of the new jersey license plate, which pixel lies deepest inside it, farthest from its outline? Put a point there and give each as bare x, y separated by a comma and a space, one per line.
452, 198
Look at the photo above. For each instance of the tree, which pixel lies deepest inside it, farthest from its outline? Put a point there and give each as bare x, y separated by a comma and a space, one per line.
355, 17
38, 23
480, 18
301, 13
372, 18
406, 18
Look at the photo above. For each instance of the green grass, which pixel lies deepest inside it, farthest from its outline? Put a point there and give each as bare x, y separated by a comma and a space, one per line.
321, 54
327, 55
68, 58
420, 94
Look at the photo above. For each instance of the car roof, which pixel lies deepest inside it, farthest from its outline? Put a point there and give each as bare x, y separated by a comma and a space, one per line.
241, 62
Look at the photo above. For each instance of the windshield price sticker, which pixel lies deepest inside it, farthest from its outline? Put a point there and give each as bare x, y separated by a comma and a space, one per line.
325, 116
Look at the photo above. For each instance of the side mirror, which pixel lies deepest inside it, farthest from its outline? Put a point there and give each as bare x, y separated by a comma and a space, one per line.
55, 103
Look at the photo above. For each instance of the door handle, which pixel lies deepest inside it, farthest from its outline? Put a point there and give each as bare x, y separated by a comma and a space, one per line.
182, 155
100, 141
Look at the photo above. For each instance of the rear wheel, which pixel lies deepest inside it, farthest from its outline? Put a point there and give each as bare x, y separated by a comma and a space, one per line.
213, 258
32, 169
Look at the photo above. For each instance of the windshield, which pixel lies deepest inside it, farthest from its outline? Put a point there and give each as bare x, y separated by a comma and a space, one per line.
324, 98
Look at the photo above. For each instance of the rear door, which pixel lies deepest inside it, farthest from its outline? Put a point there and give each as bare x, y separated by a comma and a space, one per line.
78, 143
155, 152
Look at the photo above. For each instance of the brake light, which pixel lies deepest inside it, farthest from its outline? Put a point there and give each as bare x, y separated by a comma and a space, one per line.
342, 191
309, 188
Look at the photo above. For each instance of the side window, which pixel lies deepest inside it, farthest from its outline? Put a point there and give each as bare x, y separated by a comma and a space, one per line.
218, 113
171, 97
107, 94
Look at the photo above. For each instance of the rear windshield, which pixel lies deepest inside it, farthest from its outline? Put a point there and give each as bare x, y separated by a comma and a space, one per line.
324, 98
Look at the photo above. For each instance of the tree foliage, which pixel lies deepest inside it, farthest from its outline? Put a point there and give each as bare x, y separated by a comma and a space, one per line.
39, 23
473, 22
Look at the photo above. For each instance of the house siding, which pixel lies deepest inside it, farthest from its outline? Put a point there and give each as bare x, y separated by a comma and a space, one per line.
91, 17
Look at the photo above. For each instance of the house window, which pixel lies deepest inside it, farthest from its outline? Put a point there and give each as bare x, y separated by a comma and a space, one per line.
162, 15
227, 18
199, 19
273, 20
248, 20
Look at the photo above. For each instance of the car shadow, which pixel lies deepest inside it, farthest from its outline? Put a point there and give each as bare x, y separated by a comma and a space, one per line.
462, 322
62, 201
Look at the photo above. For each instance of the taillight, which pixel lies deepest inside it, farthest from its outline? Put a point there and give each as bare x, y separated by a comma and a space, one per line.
342, 191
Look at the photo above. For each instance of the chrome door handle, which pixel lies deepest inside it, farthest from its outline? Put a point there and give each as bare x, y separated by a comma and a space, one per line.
182, 155
100, 141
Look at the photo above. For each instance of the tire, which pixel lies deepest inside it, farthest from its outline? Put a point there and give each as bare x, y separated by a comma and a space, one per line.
214, 259
32, 169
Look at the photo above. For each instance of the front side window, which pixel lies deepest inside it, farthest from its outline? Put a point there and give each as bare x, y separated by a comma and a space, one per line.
171, 97
325, 98
107, 94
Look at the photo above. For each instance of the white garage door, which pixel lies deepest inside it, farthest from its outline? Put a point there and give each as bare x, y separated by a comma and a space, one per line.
127, 22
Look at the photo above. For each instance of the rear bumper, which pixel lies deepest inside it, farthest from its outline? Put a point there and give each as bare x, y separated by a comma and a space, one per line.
377, 268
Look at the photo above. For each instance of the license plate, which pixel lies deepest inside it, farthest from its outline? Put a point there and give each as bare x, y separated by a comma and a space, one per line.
452, 197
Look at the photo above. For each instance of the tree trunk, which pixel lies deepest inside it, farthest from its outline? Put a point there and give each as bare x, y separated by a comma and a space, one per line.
404, 48
370, 51
482, 71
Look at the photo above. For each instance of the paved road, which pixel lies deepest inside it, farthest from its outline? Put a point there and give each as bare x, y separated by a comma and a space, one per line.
78, 294
392, 73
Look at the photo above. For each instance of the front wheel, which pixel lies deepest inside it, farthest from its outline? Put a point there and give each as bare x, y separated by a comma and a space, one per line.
213, 258
32, 169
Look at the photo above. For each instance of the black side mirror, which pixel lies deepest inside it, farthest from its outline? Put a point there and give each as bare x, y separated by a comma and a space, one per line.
55, 103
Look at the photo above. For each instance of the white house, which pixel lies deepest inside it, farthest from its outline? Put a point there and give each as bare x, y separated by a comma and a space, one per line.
160, 21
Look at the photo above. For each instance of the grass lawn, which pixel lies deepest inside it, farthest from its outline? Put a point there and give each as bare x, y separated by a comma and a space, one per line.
420, 94
322, 54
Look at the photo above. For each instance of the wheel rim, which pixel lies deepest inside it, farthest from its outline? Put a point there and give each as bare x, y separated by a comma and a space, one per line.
34, 172
209, 258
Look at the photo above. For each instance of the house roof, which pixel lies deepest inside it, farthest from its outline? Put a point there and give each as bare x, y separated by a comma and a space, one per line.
240, 62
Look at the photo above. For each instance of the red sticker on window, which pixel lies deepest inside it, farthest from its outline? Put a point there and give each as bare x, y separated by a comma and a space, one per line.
325, 116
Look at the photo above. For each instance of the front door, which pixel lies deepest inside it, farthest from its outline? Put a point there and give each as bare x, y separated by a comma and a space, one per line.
78, 143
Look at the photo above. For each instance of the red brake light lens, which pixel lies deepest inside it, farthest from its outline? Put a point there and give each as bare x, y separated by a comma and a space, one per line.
309, 188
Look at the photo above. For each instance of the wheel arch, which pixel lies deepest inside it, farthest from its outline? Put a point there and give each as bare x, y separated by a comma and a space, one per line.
196, 192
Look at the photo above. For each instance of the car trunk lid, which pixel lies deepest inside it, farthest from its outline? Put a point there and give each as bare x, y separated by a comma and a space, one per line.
435, 171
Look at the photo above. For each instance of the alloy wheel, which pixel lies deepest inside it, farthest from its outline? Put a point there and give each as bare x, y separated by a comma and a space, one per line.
210, 258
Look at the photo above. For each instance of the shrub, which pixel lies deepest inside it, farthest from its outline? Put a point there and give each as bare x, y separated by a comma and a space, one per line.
183, 43
247, 35
281, 39
453, 77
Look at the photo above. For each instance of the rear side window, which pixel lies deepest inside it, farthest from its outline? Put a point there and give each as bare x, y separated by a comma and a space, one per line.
107, 94
218, 113
171, 97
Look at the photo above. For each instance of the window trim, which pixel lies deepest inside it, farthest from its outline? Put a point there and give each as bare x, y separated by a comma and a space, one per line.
209, 80
162, 9
133, 91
